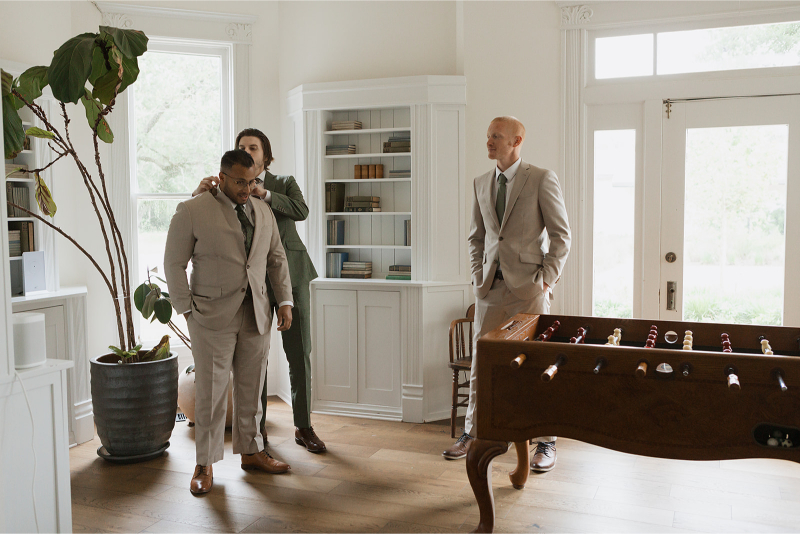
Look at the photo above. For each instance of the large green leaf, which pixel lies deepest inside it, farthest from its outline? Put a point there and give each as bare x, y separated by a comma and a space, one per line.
44, 198
105, 87
33, 131
93, 110
6, 79
139, 295
71, 66
100, 64
130, 71
13, 134
132, 43
163, 310
31, 83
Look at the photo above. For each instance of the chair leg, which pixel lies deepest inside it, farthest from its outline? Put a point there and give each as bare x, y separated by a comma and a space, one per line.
454, 409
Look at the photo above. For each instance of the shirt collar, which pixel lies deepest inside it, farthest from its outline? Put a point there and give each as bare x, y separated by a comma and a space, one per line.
233, 204
262, 175
510, 172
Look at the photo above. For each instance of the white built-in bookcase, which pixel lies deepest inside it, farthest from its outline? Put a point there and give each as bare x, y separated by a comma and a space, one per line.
379, 347
371, 237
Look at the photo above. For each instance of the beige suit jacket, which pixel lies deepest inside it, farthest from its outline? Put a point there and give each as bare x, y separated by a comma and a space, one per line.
206, 231
535, 212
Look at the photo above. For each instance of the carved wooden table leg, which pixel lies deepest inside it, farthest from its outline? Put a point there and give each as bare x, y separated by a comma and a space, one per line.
519, 476
479, 470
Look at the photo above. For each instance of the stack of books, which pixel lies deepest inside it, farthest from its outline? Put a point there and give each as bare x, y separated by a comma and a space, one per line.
362, 203
13, 170
335, 232
25, 229
334, 197
339, 150
335, 261
345, 125
14, 243
361, 172
19, 195
399, 272
397, 144
357, 269
407, 232
399, 173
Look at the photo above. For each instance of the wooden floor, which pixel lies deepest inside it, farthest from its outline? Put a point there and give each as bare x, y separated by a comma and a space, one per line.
380, 476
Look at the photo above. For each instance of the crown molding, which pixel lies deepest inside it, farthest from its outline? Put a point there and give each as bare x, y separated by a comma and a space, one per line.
120, 9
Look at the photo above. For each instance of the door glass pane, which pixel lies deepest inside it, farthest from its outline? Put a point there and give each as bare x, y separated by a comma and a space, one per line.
735, 212
738, 47
623, 56
154, 217
614, 188
177, 112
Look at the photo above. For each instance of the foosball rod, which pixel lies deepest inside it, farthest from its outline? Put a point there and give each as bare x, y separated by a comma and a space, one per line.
551, 371
581, 337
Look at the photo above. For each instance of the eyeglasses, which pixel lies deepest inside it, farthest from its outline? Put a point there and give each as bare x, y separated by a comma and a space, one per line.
241, 184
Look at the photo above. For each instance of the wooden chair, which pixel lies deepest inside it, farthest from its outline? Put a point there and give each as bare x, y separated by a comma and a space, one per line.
460, 361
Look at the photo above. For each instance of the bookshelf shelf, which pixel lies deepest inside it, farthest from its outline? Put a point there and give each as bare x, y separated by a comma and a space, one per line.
366, 180
367, 131
25, 180
367, 213
373, 155
393, 247
13, 219
15, 258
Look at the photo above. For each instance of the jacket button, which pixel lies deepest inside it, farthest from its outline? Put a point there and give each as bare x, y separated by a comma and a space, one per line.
243, 290
247, 267
500, 238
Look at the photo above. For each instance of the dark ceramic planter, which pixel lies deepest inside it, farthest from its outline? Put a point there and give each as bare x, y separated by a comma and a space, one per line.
134, 406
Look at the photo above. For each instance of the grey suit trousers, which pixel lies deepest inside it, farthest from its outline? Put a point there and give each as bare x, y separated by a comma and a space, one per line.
497, 307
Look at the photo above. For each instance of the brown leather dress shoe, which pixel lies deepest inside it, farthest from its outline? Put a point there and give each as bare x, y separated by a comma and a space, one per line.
459, 448
544, 459
202, 479
309, 439
264, 462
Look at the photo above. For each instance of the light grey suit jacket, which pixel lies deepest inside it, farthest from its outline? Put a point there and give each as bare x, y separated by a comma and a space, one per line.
534, 212
206, 231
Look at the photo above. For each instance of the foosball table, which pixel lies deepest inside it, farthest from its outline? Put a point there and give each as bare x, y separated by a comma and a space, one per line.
668, 389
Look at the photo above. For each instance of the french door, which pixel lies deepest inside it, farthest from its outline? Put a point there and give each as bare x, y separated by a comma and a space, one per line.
730, 211
695, 216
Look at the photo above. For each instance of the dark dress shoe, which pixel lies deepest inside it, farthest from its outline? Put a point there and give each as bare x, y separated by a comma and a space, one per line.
309, 439
202, 479
544, 459
264, 462
459, 449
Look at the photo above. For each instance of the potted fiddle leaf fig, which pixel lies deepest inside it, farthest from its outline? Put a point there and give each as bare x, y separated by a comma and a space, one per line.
134, 392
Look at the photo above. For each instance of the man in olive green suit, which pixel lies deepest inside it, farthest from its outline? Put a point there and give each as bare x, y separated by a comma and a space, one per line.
287, 202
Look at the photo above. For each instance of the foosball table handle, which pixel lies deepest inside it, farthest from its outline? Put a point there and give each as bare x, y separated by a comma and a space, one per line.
641, 370
517, 362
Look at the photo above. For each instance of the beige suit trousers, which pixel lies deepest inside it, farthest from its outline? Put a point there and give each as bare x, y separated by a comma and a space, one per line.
238, 347
497, 307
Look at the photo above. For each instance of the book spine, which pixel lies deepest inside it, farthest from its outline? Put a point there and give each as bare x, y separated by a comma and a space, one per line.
361, 209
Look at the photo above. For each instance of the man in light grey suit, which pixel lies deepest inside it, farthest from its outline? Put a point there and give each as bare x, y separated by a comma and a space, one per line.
517, 208
233, 244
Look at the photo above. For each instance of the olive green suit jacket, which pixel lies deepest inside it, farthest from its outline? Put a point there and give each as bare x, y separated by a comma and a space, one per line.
289, 206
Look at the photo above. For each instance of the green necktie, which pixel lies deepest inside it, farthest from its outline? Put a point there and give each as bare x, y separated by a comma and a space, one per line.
500, 204
247, 228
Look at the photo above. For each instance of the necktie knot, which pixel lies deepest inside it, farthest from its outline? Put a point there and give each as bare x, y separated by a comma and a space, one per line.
502, 179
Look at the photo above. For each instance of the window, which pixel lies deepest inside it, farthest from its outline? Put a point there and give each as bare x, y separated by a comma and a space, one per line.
614, 204
181, 117
704, 50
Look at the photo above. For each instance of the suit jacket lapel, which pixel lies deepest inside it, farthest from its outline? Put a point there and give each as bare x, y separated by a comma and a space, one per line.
231, 218
519, 182
269, 181
257, 214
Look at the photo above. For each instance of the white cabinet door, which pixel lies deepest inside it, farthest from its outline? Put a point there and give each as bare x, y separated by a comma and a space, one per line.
379, 348
336, 345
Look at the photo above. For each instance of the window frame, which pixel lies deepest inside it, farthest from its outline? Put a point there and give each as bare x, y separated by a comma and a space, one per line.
223, 50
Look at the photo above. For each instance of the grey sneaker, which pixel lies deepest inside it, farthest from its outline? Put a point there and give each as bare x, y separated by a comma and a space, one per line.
459, 448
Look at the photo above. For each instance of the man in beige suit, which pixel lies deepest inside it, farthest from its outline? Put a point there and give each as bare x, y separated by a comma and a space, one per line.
517, 208
233, 244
